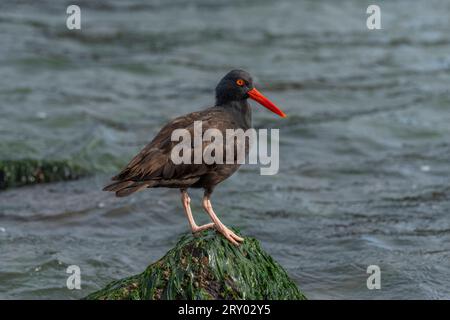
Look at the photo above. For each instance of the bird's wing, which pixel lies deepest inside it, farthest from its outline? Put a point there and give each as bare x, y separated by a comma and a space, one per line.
154, 162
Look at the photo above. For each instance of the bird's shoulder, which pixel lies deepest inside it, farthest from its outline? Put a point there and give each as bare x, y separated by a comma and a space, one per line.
152, 159
211, 118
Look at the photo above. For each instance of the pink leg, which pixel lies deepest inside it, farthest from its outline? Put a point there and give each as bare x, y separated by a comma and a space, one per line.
187, 209
227, 233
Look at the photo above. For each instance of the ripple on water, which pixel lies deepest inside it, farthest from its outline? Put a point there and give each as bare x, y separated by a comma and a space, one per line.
364, 151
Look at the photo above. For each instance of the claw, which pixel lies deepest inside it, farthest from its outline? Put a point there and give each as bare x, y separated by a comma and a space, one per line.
229, 235
235, 236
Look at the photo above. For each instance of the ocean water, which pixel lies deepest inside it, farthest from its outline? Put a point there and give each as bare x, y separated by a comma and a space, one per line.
364, 153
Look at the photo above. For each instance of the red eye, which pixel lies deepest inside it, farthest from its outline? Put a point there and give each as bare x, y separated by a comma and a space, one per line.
240, 82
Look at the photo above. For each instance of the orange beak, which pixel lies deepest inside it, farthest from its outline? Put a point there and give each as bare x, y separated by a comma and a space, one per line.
261, 99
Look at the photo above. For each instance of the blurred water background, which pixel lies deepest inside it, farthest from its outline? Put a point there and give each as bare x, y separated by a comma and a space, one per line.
364, 167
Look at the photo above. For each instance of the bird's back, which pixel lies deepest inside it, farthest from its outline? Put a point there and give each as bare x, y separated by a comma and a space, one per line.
153, 166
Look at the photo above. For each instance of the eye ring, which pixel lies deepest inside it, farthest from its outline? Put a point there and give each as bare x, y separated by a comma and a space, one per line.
240, 82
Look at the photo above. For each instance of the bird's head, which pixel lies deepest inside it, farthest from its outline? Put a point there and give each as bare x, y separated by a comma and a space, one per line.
237, 85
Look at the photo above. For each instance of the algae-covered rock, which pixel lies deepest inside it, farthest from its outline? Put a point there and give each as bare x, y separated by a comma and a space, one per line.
14, 173
207, 266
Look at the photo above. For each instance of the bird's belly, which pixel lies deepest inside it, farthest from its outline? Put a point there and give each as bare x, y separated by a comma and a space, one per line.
216, 176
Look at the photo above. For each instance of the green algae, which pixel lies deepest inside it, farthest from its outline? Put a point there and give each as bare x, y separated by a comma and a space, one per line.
203, 267
15, 173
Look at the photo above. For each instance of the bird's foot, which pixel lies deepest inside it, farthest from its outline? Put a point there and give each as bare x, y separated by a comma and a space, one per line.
207, 226
229, 235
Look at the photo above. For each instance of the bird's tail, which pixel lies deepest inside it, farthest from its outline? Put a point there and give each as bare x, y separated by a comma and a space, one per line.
125, 188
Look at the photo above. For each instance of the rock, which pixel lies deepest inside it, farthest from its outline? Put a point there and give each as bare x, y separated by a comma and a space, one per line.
207, 266
14, 173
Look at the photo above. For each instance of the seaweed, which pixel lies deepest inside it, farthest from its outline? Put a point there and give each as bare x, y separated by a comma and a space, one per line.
203, 267
15, 173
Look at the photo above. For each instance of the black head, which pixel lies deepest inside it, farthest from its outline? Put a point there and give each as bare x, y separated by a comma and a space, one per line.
237, 85
233, 87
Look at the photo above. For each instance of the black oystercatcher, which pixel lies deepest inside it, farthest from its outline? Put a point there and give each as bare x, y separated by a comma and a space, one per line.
153, 166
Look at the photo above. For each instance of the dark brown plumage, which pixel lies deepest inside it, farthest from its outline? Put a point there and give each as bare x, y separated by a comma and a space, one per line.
152, 167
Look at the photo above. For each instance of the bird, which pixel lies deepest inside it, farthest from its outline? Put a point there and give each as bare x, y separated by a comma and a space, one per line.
153, 167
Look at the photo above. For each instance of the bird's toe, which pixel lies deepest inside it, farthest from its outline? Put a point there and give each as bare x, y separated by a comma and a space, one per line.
203, 227
235, 236
229, 235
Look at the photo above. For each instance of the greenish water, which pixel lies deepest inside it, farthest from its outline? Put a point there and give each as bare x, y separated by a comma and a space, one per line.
364, 153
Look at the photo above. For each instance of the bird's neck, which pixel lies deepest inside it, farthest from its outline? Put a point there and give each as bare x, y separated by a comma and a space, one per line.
241, 112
